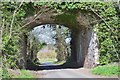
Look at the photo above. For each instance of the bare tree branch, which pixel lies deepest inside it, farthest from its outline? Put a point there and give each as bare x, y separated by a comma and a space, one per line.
36, 16
13, 18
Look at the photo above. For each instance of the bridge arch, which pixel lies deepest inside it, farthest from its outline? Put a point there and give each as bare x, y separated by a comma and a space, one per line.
84, 45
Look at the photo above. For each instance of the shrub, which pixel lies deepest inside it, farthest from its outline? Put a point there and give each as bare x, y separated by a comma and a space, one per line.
106, 70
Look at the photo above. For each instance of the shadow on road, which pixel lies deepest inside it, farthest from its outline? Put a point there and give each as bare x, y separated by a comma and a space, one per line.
45, 66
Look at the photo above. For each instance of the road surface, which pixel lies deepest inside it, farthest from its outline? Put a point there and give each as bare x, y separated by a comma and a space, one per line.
68, 73
65, 73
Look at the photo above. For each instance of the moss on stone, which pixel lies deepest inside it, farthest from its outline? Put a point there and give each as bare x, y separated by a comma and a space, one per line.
67, 18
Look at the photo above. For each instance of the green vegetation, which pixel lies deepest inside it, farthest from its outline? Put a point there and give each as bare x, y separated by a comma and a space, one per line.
71, 18
5, 73
46, 55
16, 73
24, 74
106, 70
106, 27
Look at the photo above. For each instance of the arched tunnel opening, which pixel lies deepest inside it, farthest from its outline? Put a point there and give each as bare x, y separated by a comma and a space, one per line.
73, 46
49, 47
83, 43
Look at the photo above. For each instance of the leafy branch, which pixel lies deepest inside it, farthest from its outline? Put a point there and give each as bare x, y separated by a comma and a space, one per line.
101, 19
117, 54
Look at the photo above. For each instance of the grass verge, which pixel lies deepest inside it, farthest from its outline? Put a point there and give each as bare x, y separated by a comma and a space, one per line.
106, 70
24, 74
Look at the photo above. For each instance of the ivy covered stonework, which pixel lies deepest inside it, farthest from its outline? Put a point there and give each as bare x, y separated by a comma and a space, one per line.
106, 23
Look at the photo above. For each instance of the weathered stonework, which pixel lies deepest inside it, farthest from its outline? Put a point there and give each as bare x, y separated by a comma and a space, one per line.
91, 58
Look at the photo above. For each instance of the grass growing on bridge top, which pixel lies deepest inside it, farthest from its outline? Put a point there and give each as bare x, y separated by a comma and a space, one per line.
106, 70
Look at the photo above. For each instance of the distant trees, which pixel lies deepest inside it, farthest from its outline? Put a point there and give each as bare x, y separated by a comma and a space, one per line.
57, 36
62, 45
33, 48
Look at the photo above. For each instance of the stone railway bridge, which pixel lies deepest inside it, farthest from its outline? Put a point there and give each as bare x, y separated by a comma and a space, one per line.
84, 44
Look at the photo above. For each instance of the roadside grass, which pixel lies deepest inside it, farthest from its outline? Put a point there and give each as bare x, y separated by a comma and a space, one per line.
24, 74
4, 73
106, 70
